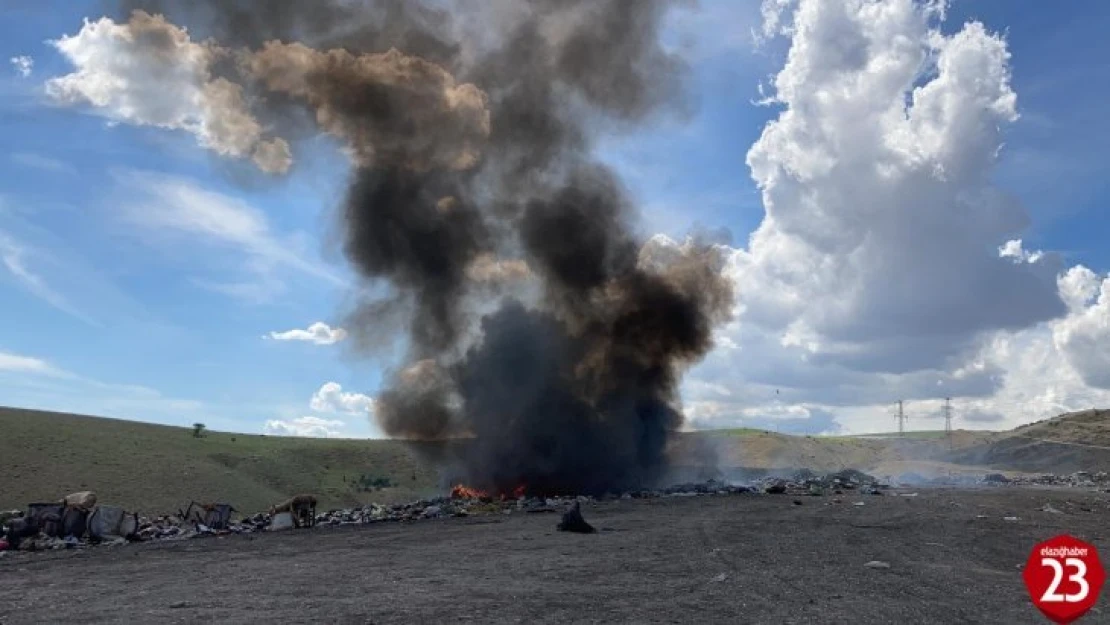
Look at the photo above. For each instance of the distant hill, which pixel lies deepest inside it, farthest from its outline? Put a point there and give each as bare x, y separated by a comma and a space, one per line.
158, 469
1074, 441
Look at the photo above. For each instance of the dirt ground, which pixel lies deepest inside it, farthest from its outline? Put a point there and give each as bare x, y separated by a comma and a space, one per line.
737, 559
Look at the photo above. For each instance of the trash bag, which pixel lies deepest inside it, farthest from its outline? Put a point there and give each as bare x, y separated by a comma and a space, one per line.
129, 526
573, 521
47, 517
104, 522
74, 522
281, 521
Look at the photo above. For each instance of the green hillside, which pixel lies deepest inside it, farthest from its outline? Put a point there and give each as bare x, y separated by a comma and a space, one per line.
157, 468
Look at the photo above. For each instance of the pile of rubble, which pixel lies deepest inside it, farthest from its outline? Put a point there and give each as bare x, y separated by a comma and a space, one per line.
1079, 479
805, 482
34, 535
214, 519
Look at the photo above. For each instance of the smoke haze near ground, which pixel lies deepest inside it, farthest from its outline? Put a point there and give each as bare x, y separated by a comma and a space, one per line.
533, 318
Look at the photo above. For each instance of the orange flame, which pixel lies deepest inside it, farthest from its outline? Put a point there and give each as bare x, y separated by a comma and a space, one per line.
461, 491
458, 491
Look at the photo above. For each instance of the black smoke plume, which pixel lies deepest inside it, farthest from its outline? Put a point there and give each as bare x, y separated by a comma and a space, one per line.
534, 319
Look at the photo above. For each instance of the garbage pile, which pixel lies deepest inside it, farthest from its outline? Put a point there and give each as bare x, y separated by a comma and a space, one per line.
1079, 479
74, 520
806, 482
47, 526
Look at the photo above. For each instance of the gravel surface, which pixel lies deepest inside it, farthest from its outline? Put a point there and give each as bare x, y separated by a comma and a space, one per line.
729, 559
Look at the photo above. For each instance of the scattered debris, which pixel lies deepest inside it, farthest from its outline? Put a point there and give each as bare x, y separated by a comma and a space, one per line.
807, 482
877, 564
78, 520
216, 516
1079, 479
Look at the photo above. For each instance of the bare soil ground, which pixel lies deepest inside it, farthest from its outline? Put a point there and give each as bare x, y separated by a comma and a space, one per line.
737, 559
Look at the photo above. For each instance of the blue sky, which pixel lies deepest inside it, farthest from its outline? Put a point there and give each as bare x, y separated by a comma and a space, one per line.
119, 300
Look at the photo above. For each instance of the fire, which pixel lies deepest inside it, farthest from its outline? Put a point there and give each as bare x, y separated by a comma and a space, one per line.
461, 491
458, 491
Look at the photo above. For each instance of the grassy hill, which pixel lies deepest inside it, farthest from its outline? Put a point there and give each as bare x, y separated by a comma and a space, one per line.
1074, 441
157, 469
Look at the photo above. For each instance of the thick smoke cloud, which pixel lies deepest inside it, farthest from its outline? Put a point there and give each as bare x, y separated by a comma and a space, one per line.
535, 321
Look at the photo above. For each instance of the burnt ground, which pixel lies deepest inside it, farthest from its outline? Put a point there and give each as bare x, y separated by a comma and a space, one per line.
736, 559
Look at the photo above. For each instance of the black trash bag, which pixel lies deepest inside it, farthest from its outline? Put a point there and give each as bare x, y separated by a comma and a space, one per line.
74, 522
574, 522
19, 528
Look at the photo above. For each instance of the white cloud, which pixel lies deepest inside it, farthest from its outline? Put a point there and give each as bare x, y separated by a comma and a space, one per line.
887, 265
1084, 335
15, 258
165, 206
332, 398
148, 72
23, 65
26, 364
1014, 251
314, 427
319, 333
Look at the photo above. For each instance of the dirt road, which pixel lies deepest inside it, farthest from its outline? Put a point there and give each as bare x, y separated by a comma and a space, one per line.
740, 559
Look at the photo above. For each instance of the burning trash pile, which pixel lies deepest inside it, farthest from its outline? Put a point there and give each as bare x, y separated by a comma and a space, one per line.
503, 274
465, 501
82, 522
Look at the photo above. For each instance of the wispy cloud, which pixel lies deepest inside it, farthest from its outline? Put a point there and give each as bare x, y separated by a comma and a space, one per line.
45, 163
10, 362
14, 257
313, 427
34, 382
165, 206
23, 65
318, 333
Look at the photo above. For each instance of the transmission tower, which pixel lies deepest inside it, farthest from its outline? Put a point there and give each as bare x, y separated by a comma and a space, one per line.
901, 416
948, 420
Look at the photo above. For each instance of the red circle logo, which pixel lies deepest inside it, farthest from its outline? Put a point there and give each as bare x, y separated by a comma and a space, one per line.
1064, 576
